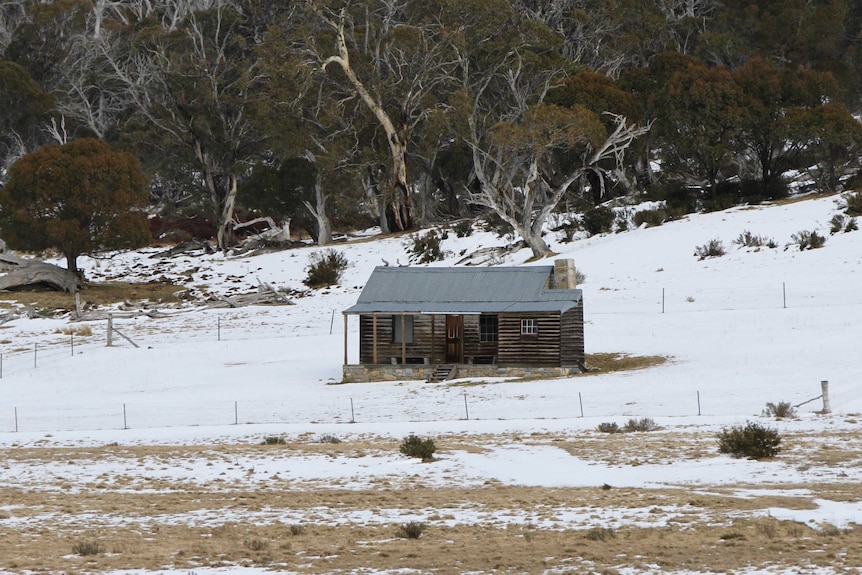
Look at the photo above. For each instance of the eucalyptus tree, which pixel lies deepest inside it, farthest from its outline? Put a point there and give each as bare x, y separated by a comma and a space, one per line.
528, 153
192, 80
393, 58
700, 113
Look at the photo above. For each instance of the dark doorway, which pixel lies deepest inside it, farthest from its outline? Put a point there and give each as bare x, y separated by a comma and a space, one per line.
454, 339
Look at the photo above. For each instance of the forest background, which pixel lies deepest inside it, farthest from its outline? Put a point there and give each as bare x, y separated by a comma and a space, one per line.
345, 114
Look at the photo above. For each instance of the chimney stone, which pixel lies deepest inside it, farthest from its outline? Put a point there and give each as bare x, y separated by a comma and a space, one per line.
564, 274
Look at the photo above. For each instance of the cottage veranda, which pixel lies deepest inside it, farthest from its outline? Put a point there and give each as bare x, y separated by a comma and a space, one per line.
437, 323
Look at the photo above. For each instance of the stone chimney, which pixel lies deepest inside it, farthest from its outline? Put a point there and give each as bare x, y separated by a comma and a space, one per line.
564, 274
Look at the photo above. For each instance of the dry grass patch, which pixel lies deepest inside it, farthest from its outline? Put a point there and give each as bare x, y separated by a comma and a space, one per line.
142, 521
102, 293
608, 362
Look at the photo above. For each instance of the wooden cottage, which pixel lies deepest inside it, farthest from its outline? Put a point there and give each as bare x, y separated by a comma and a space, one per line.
438, 323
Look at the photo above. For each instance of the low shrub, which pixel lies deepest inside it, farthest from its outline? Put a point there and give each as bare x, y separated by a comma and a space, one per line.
597, 220
752, 441
622, 220
410, 530
328, 438
297, 529
414, 446
712, 249
425, 248
748, 240
609, 427
325, 268
642, 424
273, 440
87, 548
780, 410
852, 203
256, 544
808, 240
651, 218
463, 228
600, 534
841, 223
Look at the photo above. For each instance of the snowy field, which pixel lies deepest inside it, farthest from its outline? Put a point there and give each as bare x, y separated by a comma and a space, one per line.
751, 327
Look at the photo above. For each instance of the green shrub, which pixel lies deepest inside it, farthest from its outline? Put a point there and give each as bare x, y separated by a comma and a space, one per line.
328, 438
841, 223
410, 530
273, 440
651, 218
642, 424
780, 410
853, 203
808, 240
463, 228
622, 219
712, 249
414, 446
426, 248
748, 240
609, 427
597, 220
86, 548
325, 268
752, 440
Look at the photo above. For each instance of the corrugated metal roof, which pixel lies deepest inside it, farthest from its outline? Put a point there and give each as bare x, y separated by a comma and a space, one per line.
462, 290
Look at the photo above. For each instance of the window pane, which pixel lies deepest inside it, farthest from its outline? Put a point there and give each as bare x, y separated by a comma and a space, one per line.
408, 329
488, 327
529, 327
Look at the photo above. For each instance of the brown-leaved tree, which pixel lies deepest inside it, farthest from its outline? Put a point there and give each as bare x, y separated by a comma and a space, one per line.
80, 198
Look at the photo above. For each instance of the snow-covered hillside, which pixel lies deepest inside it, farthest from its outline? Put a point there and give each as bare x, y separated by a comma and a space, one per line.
751, 327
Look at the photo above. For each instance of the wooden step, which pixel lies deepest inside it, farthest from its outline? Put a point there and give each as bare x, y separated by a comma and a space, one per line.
441, 373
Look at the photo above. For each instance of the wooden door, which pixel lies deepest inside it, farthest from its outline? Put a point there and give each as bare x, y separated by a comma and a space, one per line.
454, 339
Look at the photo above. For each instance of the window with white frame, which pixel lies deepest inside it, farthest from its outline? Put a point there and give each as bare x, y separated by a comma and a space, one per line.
529, 327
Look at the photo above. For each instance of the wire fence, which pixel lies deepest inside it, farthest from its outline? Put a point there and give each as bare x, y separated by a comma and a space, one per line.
340, 407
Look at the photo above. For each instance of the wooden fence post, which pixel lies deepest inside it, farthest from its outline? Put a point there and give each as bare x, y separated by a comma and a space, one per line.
824, 386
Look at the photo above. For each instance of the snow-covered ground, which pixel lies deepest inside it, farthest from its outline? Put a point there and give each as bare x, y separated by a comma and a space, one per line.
751, 327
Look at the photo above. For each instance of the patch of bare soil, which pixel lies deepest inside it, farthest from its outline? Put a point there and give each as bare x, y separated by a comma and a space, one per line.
58, 515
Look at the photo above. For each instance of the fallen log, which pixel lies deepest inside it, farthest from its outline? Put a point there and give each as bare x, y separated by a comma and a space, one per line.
22, 272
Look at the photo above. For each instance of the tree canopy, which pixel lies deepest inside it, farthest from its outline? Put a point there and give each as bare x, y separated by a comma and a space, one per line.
80, 198
400, 108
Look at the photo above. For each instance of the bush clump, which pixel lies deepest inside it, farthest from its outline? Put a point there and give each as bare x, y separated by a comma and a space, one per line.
87, 548
780, 410
415, 446
597, 220
712, 249
642, 424
748, 240
808, 240
426, 248
651, 218
273, 440
853, 203
752, 441
600, 534
463, 228
328, 438
410, 530
841, 223
325, 268
609, 427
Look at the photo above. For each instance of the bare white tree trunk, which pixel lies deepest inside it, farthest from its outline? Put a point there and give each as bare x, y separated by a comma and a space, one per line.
318, 210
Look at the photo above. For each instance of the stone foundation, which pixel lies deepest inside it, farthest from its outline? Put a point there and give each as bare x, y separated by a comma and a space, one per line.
386, 372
